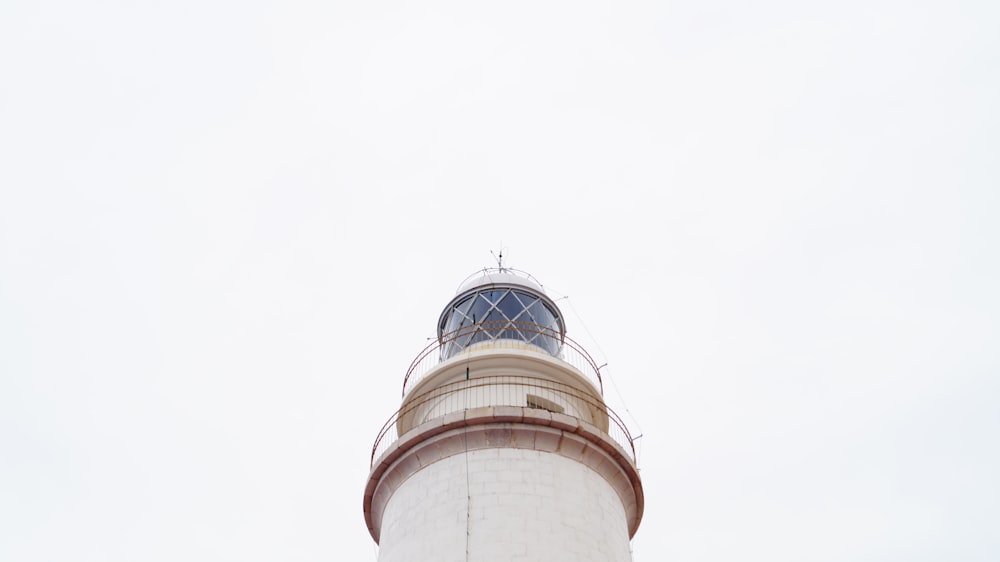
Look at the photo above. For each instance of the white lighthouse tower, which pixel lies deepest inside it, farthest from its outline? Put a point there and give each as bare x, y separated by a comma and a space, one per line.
503, 449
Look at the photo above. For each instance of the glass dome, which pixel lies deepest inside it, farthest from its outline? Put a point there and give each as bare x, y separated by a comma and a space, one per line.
500, 311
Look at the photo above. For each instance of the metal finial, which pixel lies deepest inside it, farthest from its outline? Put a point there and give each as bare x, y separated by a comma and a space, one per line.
498, 258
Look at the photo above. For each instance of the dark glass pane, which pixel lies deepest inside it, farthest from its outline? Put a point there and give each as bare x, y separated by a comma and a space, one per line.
553, 320
519, 333
478, 309
541, 315
462, 312
453, 322
478, 336
493, 296
510, 306
457, 318
525, 298
495, 322
525, 301
463, 339
463, 306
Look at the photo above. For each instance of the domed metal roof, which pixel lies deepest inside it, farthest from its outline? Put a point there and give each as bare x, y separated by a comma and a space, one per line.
500, 276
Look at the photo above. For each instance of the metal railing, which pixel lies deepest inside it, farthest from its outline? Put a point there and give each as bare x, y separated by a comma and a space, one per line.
503, 390
502, 335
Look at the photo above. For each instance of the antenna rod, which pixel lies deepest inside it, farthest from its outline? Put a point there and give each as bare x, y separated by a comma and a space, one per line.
499, 259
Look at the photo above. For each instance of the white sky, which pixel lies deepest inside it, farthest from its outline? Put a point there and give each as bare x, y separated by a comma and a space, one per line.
227, 227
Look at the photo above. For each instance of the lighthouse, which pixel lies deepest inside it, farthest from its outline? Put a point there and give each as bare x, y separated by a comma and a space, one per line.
503, 448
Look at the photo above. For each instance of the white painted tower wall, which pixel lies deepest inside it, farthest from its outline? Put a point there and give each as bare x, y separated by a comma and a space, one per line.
505, 504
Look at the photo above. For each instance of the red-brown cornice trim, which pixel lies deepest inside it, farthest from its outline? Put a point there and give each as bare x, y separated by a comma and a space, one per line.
502, 427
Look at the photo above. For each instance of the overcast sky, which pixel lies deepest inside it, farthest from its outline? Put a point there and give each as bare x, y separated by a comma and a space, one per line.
227, 227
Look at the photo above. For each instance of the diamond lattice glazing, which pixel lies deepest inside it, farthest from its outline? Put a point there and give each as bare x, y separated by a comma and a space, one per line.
501, 313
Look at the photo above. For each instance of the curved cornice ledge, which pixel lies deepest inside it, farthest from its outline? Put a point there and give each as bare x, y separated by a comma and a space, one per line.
502, 427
